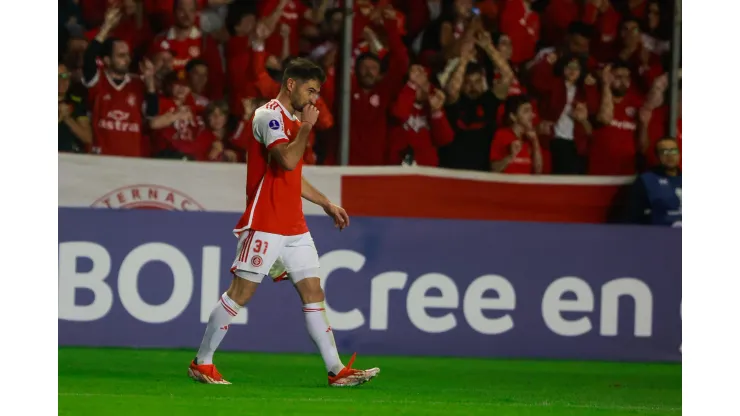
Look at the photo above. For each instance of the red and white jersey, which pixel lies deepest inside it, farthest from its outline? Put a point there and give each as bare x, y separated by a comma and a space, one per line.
117, 115
273, 194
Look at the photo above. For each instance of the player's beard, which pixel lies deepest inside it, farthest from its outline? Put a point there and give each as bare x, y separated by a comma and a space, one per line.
297, 105
619, 92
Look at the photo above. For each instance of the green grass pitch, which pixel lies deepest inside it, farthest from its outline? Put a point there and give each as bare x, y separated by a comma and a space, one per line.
154, 382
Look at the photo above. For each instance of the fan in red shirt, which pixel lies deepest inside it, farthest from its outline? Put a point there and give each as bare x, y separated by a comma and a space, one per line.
293, 13
654, 120
420, 124
522, 25
197, 73
605, 19
516, 149
557, 17
372, 96
188, 42
239, 140
133, 29
215, 134
176, 127
577, 42
241, 23
116, 97
564, 105
613, 148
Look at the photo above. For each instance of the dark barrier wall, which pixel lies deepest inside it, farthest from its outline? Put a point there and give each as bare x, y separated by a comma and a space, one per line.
394, 286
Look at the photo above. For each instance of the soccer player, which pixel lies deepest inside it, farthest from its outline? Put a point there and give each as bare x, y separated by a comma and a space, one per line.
273, 228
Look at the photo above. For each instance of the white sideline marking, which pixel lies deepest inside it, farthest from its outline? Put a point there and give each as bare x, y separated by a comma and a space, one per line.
381, 401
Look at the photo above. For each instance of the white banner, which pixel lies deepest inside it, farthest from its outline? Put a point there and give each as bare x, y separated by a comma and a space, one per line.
113, 182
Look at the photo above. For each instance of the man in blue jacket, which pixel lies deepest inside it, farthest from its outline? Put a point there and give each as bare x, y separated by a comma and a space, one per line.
656, 197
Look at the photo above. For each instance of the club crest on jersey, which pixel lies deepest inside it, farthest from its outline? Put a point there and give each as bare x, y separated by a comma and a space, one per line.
274, 124
194, 51
630, 111
147, 197
131, 100
256, 261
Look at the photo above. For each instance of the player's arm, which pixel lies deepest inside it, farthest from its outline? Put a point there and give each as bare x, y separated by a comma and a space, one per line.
337, 213
312, 194
268, 127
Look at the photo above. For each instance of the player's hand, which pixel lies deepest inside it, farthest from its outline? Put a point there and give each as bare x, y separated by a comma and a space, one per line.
515, 148
437, 100
310, 114
339, 215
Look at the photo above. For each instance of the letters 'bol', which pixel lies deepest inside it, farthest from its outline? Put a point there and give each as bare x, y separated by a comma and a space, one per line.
147, 197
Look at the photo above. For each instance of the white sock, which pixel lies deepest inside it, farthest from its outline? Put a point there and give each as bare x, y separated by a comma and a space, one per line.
322, 335
218, 324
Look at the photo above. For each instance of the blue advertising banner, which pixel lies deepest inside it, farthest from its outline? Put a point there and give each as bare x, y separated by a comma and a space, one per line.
394, 286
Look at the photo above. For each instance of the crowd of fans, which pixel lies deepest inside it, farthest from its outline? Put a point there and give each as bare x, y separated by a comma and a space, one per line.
512, 86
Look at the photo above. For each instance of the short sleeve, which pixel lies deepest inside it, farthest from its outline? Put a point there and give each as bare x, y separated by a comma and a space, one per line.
268, 127
500, 146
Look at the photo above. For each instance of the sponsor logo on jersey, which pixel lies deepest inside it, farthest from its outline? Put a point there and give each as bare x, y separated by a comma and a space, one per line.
147, 197
116, 120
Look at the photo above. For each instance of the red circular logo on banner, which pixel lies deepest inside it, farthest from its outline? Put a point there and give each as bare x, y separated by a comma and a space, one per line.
256, 261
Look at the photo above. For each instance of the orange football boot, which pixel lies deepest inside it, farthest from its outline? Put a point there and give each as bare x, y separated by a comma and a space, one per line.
349, 376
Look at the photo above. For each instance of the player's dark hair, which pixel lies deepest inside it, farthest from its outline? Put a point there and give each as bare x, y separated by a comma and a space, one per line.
512, 105
194, 63
303, 70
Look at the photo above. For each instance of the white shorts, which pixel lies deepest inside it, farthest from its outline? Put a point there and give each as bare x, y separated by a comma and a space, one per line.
257, 252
